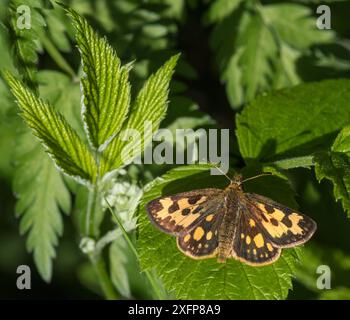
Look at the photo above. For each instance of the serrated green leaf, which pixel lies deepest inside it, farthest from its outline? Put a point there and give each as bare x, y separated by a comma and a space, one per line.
105, 84
207, 279
293, 122
41, 194
287, 73
289, 19
335, 166
342, 142
246, 52
25, 40
69, 153
150, 105
258, 46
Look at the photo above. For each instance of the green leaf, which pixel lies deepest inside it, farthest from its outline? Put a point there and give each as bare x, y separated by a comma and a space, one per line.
207, 279
258, 46
150, 105
335, 166
293, 122
105, 84
246, 52
287, 71
69, 153
6, 58
342, 142
25, 40
220, 9
41, 194
288, 19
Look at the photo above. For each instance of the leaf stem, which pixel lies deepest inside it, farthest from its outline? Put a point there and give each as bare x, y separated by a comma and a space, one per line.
97, 258
91, 209
133, 249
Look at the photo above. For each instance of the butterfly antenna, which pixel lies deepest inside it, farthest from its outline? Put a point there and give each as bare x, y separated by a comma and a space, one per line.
214, 164
258, 176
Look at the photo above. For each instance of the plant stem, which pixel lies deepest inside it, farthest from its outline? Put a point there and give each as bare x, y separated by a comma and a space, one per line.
91, 209
57, 56
133, 249
105, 282
97, 259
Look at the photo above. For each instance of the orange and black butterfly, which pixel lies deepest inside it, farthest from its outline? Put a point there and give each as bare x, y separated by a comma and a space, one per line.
230, 223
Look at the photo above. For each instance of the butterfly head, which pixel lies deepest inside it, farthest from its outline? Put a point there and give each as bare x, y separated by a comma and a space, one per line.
236, 182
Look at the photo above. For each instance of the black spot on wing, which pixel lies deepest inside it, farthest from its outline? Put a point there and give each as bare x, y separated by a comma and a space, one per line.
194, 199
174, 207
154, 206
186, 211
286, 221
269, 209
274, 221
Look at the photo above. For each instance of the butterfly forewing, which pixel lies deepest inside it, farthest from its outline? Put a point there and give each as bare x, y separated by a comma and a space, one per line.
179, 213
284, 226
202, 240
251, 243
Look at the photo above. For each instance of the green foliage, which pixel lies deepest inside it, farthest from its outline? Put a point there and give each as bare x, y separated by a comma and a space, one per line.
105, 85
25, 39
335, 166
70, 154
118, 262
265, 132
258, 46
103, 119
41, 195
150, 105
206, 279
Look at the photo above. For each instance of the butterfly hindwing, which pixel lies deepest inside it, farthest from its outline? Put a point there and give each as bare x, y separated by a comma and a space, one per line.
202, 240
178, 213
251, 244
284, 226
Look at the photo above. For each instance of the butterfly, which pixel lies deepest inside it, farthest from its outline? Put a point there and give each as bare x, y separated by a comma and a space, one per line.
230, 223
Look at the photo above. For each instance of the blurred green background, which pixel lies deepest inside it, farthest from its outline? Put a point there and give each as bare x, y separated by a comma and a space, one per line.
204, 93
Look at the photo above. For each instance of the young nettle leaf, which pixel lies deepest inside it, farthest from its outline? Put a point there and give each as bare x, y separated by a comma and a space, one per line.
149, 107
70, 154
105, 84
207, 279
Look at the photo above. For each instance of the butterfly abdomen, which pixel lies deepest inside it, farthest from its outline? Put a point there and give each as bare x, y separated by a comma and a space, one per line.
227, 228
